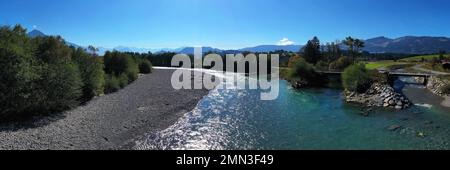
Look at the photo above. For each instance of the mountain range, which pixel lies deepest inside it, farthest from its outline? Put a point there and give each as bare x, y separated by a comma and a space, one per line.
408, 45
403, 45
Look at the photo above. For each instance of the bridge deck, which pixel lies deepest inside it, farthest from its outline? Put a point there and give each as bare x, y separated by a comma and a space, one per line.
410, 74
390, 73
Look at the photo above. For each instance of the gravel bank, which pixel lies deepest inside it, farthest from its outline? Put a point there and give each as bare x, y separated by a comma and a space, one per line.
108, 122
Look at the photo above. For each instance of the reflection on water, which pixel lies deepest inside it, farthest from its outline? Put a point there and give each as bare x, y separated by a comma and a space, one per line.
306, 119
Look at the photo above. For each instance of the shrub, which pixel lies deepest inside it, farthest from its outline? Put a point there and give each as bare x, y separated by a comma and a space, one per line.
62, 86
305, 72
118, 63
132, 71
52, 50
92, 74
123, 80
18, 72
145, 66
43, 74
356, 78
61, 81
111, 84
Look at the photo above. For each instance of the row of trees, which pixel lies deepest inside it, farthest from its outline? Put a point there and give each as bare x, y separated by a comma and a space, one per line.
123, 68
330, 56
45, 75
315, 56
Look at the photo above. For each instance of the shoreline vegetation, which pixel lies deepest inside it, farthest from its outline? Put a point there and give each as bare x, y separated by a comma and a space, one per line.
56, 96
362, 81
44, 75
112, 121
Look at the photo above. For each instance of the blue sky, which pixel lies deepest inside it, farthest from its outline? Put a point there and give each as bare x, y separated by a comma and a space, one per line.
225, 24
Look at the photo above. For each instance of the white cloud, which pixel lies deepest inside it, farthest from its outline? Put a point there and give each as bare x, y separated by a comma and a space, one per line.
285, 41
34, 26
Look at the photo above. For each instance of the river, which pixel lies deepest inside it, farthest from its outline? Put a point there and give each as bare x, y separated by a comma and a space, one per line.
304, 119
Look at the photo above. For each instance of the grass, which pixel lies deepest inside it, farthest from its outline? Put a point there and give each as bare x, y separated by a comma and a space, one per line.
384, 64
438, 67
426, 64
419, 58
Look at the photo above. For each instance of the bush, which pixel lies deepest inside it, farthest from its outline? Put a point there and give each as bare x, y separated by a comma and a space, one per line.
37, 75
118, 63
92, 73
123, 80
111, 84
145, 67
18, 72
62, 86
356, 78
304, 72
132, 71
61, 81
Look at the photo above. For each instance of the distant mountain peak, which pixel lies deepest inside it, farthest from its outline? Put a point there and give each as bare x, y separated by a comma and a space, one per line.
269, 48
381, 38
36, 33
408, 45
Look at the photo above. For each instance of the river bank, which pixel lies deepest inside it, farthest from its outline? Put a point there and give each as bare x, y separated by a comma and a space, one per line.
109, 122
311, 118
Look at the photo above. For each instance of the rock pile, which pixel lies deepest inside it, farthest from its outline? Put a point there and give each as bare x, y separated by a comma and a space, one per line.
434, 85
380, 96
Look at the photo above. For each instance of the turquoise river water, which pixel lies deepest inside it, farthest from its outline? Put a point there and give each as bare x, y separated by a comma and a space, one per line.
304, 119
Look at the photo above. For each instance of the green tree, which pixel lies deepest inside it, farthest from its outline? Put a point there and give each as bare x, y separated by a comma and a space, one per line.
332, 52
61, 81
311, 51
92, 74
350, 43
354, 46
359, 45
93, 50
19, 72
